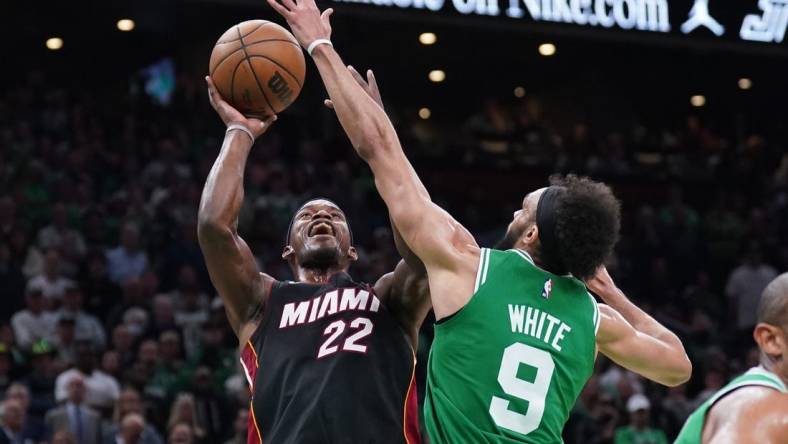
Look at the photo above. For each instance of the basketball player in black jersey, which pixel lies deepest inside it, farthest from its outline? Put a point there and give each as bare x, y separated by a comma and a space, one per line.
328, 359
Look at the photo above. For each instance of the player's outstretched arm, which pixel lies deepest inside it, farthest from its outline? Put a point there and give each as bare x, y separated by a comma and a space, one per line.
370, 86
635, 340
231, 265
430, 232
405, 289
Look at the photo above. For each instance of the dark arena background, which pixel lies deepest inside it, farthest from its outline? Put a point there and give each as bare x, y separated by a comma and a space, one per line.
107, 136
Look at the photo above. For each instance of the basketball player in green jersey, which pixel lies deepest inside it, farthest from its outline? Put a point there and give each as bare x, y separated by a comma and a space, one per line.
517, 330
752, 408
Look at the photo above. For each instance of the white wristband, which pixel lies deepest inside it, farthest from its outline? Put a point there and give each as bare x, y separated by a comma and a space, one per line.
238, 126
317, 43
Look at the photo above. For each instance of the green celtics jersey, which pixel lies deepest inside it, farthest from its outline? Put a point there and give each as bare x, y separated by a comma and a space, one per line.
509, 366
692, 431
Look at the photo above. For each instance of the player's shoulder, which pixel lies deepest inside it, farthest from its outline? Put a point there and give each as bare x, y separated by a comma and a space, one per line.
748, 414
750, 399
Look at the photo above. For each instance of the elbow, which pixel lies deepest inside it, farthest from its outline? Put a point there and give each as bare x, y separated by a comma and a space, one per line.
680, 373
211, 228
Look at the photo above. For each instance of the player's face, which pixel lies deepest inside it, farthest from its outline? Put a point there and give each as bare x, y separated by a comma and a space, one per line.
523, 221
320, 237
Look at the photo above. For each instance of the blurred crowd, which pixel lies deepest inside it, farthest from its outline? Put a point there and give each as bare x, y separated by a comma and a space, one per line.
110, 331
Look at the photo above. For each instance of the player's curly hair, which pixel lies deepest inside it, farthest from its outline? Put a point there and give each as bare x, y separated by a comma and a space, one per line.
588, 218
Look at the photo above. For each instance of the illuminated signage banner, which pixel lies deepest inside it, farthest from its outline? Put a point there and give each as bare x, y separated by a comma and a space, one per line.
764, 21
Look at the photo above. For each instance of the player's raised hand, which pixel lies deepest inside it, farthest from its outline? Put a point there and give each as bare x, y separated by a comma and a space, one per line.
601, 284
370, 86
305, 19
230, 115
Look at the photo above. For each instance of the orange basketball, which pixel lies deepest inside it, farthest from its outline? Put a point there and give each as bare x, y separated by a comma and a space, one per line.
258, 67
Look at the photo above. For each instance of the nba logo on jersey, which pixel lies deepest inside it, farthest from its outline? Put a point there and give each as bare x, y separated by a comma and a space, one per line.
548, 288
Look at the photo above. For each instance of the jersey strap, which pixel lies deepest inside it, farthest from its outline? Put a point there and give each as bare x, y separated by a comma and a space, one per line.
754, 376
484, 265
596, 313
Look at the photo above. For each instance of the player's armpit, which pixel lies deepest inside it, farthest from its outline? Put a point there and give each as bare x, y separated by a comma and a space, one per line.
650, 357
405, 292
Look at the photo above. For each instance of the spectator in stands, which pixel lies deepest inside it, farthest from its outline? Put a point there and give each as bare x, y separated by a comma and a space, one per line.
101, 292
240, 427
676, 407
128, 260
41, 379
110, 364
33, 426
12, 422
130, 431
171, 373
122, 344
192, 307
65, 341
73, 416
102, 389
713, 380
130, 402
163, 318
638, 431
32, 259
212, 407
745, 285
51, 281
184, 412
181, 433
63, 146
87, 327
33, 323
19, 357
64, 437
214, 353
133, 296
58, 235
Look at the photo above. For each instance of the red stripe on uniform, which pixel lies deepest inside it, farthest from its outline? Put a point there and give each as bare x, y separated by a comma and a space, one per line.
250, 365
411, 411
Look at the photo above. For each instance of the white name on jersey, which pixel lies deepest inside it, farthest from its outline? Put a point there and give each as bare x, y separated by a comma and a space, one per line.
328, 304
538, 324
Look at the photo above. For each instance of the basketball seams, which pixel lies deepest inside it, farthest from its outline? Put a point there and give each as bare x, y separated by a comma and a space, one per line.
252, 44
258, 56
273, 40
222, 61
254, 74
232, 81
264, 22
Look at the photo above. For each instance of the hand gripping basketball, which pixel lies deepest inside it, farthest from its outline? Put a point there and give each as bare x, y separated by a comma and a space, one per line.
230, 115
305, 19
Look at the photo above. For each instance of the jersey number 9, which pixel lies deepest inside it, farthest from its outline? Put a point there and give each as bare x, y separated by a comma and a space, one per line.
533, 392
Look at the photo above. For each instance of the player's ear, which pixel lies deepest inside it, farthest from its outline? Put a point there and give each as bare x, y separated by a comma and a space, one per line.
531, 234
352, 253
769, 339
287, 252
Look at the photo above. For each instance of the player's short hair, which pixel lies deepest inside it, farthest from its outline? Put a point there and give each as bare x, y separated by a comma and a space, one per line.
587, 222
773, 306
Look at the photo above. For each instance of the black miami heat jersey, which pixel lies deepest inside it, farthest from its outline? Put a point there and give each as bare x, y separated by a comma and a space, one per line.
329, 364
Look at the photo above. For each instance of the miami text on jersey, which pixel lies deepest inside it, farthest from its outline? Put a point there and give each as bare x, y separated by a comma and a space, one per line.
335, 301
